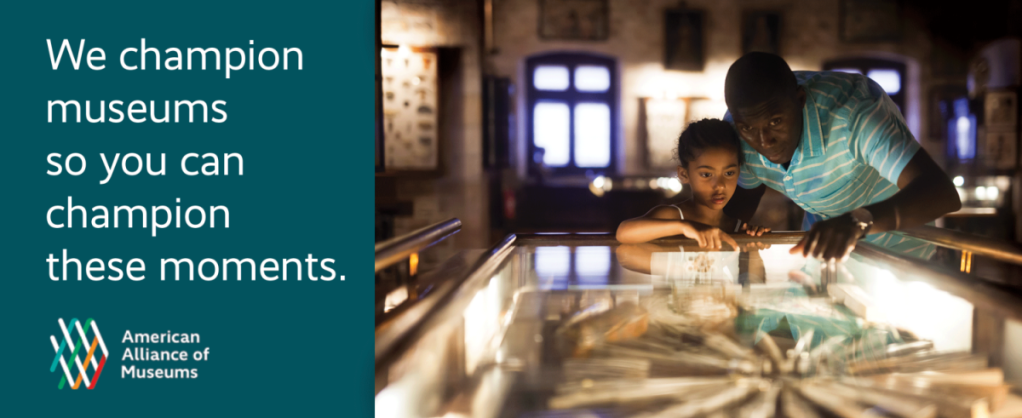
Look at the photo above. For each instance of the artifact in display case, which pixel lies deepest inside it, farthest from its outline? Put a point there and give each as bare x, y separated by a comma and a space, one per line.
410, 108
656, 330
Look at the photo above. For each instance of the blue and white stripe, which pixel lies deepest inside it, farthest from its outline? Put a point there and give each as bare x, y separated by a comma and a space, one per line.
855, 143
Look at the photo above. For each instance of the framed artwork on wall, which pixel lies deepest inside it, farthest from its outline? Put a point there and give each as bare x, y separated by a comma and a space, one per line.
870, 21
683, 40
1000, 150
761, 32
662, 123
410, 109
579, 20
1000, 110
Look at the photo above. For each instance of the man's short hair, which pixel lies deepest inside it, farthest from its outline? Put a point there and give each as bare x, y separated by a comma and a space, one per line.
757, 77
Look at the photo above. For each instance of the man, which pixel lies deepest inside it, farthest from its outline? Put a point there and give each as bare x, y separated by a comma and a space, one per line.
836, 145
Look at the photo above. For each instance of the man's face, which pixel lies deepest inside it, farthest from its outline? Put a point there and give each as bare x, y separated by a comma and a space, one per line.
773, 128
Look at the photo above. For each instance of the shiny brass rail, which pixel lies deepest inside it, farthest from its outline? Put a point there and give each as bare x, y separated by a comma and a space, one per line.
987, 247
392, 251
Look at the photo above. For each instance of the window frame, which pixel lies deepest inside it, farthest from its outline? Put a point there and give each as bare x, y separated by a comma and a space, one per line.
866, 64
571, 97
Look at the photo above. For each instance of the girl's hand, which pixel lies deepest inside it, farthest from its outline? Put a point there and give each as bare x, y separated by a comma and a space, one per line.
707, 236
755, 231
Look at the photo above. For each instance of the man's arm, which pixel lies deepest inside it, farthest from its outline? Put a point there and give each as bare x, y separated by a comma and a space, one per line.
884, 142
744, 202
926, 194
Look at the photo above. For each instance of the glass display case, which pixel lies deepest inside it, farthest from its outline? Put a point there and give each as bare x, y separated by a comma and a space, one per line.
581, 325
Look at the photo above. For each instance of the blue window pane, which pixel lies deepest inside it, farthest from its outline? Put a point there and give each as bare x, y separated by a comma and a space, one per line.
592, 78
592, 135
889, 80
847, 70
962, 129
550, 77
550, 132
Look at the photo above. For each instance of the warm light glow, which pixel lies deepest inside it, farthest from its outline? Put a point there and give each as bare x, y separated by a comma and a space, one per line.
395, 298
675, 185
482, 324
404, 51
598, 182
959, 181
930, 313
992, 193
413, 264
981, 193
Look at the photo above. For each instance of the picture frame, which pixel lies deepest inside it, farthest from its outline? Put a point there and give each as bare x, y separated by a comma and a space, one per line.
411, 106
761, 32
1000, 110
868, 21
683, 40
576, 20
663, 120
1001, 150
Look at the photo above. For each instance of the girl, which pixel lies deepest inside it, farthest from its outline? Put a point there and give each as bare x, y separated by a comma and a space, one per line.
710, 157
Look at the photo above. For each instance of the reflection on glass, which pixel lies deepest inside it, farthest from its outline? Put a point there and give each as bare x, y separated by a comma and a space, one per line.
592, 261
592, 78
889, 80
553, 261
483, 321
929, 313
550, 132
592, 135
550, 77
711, 337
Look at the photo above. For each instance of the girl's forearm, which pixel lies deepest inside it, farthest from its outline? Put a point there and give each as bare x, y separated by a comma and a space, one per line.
639, 230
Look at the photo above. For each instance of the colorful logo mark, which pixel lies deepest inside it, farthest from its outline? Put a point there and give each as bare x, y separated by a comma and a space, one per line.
90, 358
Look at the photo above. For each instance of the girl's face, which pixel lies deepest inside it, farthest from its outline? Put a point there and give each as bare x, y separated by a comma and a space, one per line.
713, 176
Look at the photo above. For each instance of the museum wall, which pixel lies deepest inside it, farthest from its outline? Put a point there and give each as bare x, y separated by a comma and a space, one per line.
808, 36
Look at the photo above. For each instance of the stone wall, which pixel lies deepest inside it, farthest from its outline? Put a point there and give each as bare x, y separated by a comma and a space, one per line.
808, 37
460, 189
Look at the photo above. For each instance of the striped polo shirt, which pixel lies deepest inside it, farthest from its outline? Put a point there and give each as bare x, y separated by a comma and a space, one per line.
854, 146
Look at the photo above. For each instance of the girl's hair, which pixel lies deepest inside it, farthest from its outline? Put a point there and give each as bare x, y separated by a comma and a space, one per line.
705, 134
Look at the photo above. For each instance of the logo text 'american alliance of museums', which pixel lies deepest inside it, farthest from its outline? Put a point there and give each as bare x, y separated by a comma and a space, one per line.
82, 354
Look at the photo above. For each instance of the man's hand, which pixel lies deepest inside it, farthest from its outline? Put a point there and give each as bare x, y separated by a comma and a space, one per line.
832, 239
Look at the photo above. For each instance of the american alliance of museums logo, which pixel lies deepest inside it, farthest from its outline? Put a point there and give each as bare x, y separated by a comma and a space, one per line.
83, 354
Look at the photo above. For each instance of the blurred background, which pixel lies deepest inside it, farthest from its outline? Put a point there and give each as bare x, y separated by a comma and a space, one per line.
562, 115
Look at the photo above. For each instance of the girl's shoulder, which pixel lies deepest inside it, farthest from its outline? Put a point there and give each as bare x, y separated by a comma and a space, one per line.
666, 212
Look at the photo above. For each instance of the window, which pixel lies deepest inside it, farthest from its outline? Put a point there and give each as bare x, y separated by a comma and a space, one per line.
571, 112
961, 129
890, 75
